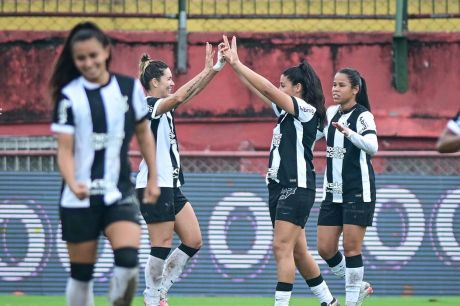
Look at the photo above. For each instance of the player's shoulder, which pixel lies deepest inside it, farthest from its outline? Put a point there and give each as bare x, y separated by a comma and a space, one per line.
332, 110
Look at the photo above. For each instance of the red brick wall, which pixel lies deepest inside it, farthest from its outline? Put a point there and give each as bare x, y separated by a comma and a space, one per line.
225, 116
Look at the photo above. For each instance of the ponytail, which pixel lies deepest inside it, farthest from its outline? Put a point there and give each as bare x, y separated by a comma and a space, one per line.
312, 90
356, 80
150, 69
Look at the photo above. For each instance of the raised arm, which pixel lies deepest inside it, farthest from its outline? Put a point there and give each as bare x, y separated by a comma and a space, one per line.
255, 81
192, 87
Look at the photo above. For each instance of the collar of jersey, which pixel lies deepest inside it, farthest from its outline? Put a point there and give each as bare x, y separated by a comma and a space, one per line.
90, 85
347, 111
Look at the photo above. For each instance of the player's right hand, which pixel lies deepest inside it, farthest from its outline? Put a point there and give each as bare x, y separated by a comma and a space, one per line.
80, 190
151, 193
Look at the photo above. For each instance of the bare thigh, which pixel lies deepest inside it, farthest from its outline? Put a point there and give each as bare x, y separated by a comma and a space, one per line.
187, 227
82, 252
123, 234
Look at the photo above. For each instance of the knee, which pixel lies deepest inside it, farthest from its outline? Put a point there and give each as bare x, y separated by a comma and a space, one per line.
198, 244
81, 272
195, 242
351, 249
126, 257
326, 251
281, 248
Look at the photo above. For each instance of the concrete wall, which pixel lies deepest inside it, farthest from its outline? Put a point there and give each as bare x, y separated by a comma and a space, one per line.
405, 121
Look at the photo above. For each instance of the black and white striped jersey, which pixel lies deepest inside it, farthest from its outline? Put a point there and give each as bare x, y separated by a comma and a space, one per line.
102, 120
349, 175
291, 156
454, 124
167, 153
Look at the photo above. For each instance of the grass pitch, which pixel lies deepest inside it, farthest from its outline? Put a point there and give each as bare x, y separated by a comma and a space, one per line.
8, 300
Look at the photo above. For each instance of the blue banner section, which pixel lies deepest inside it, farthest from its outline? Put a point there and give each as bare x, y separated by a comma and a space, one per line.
413, 247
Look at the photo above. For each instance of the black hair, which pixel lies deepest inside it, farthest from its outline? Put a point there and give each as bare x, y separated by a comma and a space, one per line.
356, 80
65, 69
312, 90
150, 69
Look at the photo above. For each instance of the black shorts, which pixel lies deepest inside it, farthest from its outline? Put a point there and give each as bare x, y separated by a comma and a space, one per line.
290, 204
168, 205
338, 214
85, 224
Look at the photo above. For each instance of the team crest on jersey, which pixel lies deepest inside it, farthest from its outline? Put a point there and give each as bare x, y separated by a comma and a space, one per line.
286, 192
122, 102
62, 111
276, 139
335, 152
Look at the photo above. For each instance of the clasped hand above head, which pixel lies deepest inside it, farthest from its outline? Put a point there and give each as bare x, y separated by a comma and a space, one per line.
230, 53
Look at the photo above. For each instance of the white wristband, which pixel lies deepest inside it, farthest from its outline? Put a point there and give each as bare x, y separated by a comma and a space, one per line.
220, 62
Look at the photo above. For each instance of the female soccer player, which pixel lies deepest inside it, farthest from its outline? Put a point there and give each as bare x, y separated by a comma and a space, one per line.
449, 140
173, 212
349, 184
95, 115
299, 105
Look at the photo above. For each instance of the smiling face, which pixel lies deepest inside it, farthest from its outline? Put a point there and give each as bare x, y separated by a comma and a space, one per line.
163, 86
90, 58
342, 91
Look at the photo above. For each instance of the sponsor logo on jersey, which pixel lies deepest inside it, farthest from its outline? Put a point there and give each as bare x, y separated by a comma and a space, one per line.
175, 173
335, 152
276, 139
306, 109
102, 140
272, 173
334, 187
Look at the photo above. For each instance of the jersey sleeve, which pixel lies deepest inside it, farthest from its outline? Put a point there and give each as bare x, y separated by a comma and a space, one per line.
63, 117
303, 111
278, 110
366, 124
139, 104
454, 124
153, 104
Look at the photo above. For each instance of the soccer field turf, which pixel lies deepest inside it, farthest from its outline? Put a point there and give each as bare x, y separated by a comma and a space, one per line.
7, 300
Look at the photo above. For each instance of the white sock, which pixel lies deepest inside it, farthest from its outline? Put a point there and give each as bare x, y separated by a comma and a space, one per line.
153, 276
322, 292
79, 293
339, 270
353, 280
173, 267
282, 298
123, 286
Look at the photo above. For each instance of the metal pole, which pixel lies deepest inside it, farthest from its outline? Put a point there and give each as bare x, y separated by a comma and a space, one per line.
400, 48
181, 51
